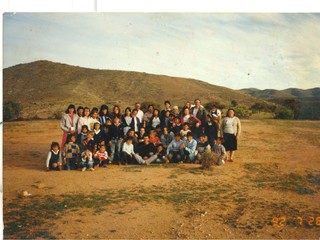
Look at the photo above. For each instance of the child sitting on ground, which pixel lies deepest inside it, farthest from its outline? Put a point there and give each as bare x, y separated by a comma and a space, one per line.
54, 160
86, 160
102, 157
219, 149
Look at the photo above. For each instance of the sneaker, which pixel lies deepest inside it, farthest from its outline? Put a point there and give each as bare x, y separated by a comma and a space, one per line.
147, 163
83, 169
91, 169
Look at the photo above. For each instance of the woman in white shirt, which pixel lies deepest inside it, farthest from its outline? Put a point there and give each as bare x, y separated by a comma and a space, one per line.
85, 120
230, 131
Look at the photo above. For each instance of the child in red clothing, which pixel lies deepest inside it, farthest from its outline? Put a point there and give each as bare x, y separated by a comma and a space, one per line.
102, 157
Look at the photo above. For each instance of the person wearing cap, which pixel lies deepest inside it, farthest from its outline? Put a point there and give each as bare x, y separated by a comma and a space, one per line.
68, 123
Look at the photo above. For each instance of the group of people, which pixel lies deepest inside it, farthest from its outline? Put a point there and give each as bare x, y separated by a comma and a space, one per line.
95, 138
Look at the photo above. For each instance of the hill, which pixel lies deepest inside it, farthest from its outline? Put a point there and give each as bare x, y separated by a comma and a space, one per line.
44, 87
269, 94
307, 101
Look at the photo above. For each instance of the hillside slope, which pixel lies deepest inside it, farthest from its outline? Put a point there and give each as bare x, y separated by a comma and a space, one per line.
44, 87
308, 99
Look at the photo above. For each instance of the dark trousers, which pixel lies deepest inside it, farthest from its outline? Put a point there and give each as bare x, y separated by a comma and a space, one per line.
126, 158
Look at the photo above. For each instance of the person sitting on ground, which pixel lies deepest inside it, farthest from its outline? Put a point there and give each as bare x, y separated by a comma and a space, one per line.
102, 157
54, 158
189, 148
86, 160
146, 149
219, 149
174, 152
127, 151
202, 147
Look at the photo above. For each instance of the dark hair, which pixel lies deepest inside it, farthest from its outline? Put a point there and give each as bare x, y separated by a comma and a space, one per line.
189, 134
94, 110
177, 118
167, 101
127, 108
114, 107
184, 108
84, 127
69, 107
186, 124
70, 136
197, 99
156, 109
79, 108
134, 110
129, 138
96, 123
158, 126
177, 134
220, 139
103, 107
54, 144
202, 135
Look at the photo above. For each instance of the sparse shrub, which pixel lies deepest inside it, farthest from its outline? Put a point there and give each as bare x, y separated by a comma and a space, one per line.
208, 159
242, 112
234, 103
57, 115
11, 110
284, 113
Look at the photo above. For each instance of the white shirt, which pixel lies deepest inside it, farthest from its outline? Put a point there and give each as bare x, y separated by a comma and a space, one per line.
140, 115
127, 148
229, 125
155, 122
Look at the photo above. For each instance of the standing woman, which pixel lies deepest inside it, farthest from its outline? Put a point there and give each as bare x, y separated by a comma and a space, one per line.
68, 123
116, 113
126, 120
85, 120
230, 131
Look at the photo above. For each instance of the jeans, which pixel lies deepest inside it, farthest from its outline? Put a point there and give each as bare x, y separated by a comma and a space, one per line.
190, 157
87, 164
176, 156
116, 144
140, 160
71, 164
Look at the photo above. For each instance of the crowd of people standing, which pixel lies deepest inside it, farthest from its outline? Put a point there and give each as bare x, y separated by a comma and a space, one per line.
97, 137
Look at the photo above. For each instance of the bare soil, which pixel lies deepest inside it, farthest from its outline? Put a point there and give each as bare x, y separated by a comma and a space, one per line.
276, 174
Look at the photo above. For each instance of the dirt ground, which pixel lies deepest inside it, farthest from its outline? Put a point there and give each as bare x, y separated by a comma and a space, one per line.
272, 190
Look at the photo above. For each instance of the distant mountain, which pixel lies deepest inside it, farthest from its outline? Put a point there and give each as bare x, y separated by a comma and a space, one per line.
269, 94
307, 100
44, 87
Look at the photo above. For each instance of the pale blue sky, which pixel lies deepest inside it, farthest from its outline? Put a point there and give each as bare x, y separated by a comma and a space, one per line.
234, 50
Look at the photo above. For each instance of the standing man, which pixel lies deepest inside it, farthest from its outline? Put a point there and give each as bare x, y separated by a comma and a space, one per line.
199, 111
140, 112
167, 106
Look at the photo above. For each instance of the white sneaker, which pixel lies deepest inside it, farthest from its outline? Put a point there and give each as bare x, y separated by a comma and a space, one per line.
83, 169
91, 169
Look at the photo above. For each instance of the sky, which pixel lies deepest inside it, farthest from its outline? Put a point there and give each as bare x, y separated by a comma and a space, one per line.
235, 50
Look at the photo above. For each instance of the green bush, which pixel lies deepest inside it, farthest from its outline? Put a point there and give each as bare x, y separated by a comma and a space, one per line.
11, 110
284, 113
242, 112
